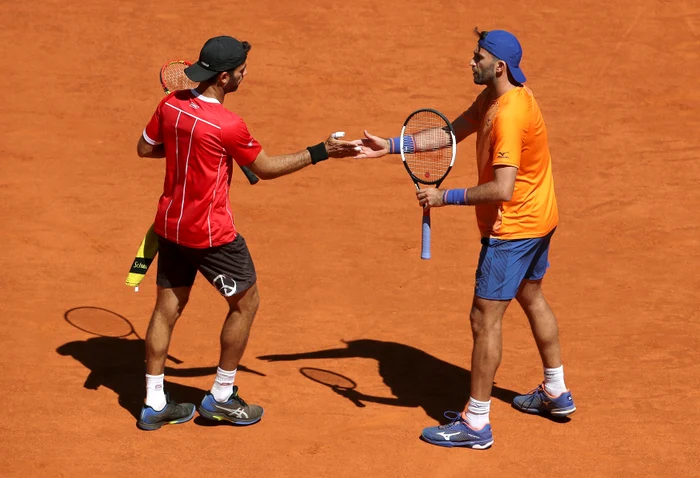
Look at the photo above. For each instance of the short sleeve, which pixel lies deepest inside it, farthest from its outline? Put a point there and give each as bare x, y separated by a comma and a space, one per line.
239, 143
509, 128
474, 113
153, 133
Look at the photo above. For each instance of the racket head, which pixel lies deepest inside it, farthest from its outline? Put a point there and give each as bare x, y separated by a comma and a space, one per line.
435, 153
328, 378
100, 322
173, 77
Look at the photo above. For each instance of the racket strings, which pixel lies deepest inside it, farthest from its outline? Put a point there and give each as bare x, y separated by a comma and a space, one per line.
433, 146
174, 78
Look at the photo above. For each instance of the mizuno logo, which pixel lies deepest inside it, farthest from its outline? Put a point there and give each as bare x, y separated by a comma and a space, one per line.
503, 155
447, 436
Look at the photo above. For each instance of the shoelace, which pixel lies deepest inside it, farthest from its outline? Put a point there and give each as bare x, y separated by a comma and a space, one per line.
533, 393
455, 418
238, 398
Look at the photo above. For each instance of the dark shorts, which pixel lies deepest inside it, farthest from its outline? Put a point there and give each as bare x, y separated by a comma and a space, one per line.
503, 265
229, 268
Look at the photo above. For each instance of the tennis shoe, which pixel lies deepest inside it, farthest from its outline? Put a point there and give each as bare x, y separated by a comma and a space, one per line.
458, 433
234, 410
173, 413
540, 402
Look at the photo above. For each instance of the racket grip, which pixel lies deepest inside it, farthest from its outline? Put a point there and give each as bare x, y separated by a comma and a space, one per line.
250, 175
425, 238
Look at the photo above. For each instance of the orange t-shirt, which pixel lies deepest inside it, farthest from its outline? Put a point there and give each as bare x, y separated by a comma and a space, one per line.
511, 131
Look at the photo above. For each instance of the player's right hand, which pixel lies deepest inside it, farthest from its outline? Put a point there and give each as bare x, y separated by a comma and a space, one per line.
340, 149
371, 146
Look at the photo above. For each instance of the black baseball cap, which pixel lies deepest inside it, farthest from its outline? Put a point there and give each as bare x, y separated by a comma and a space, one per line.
218, 54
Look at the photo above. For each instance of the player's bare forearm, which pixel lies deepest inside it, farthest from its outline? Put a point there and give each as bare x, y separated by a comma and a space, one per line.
488, 193
431, 139
275, 166
500, 189
266, 167
493, 192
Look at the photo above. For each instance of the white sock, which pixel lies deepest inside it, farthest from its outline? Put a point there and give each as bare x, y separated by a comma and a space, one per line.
155, 395
554, 381
223, 384
477, 415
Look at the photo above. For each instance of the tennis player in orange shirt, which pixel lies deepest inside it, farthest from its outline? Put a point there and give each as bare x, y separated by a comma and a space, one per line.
516, 211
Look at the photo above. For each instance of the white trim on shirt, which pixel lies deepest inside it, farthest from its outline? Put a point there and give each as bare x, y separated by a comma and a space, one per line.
150, 141
200, 96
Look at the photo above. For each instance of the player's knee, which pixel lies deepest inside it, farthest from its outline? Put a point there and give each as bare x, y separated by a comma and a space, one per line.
171, 310
482, 323
248, 302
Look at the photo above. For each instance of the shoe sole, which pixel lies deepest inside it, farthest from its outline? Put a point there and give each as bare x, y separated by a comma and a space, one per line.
451, 444
223, 418
156, 426
557, 412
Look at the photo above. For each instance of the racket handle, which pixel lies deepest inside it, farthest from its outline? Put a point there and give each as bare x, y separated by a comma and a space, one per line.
250, 175
425, 238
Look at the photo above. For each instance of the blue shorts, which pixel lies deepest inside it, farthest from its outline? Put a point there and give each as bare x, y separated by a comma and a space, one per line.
503, 265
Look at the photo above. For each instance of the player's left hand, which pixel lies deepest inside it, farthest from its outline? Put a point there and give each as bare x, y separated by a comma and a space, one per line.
371, 146
430, 197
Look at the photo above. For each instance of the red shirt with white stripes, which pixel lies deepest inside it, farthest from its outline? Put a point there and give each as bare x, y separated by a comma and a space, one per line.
201, 140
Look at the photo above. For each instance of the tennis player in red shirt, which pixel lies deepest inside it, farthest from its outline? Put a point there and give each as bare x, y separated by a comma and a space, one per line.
200, 139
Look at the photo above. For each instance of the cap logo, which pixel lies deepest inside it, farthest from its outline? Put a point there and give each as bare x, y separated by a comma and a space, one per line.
206, 65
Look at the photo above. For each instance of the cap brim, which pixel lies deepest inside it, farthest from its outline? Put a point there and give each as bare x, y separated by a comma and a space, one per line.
197, 72
518, 74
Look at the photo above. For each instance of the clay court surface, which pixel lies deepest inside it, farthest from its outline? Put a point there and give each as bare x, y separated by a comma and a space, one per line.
337, 245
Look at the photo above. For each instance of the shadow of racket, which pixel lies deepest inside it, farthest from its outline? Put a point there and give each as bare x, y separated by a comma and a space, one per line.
103, 323
337, 382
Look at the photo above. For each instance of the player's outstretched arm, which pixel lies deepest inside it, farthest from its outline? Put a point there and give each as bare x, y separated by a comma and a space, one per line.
376, 146
270, 167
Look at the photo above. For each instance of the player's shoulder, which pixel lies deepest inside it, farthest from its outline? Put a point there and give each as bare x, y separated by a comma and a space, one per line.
517, 101
167, 98
230, 119
177, 98
484, 96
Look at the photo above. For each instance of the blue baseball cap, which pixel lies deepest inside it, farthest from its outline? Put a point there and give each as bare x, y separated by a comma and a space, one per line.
504, 46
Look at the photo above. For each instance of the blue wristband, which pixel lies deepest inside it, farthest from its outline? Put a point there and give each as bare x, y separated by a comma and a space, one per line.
456, 197
395, 145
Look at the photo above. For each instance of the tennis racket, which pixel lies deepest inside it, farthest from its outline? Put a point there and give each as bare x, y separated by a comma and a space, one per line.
428, 151
173, 78
337, 382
